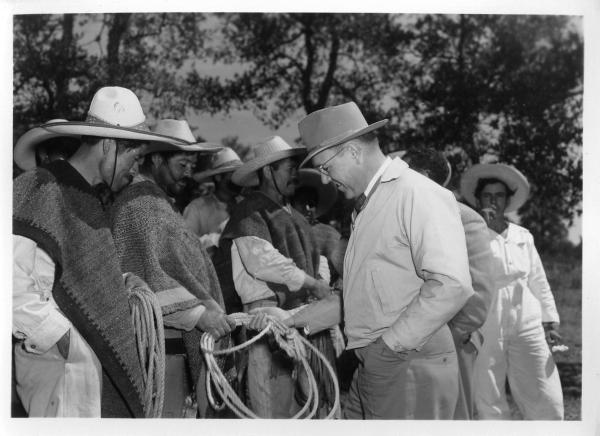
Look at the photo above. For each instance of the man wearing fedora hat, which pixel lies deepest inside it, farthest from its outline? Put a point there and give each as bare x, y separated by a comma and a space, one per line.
154, 242
406, 272
523, 321
76, 354
207, 215
466, 323
268, 258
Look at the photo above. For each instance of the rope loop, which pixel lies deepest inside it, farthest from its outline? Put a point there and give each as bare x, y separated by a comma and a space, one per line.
150, 337
289, 340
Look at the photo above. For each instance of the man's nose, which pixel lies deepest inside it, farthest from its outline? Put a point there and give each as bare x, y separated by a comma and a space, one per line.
187, 172
325, 178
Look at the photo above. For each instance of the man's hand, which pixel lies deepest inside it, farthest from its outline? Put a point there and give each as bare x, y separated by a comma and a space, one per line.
551, 333
320, 289
63, 344
216, 323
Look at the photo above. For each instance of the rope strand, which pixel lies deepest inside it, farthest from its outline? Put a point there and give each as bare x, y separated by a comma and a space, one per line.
292, 343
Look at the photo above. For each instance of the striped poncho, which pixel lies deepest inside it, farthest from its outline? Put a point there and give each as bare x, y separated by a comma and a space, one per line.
58, 209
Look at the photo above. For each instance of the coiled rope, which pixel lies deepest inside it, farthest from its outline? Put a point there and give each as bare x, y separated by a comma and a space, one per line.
150, 337
292, 343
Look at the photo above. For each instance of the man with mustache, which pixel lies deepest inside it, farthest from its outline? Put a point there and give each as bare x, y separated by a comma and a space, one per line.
76, 352
154, 242
268, 260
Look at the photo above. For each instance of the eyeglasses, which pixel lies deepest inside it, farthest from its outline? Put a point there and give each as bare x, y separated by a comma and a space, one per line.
323, 169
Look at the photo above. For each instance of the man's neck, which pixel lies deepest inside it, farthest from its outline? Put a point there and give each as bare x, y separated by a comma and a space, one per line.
87, 164
270, 192
372, 166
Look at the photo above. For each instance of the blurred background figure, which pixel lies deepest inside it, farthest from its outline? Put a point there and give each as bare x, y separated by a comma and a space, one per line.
523, 321
314, 199
208, 214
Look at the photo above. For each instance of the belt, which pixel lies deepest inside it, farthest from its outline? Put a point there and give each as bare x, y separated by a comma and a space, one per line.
174, 342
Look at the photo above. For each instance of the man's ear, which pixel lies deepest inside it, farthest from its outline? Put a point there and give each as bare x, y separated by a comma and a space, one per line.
267, 172
106, 145
156, 159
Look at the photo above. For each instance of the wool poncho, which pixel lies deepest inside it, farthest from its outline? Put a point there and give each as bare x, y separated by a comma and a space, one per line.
290, 233
58, 209
154, 243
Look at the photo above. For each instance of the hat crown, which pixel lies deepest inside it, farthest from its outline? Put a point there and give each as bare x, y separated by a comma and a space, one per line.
117, 106
226, 156
176, 128
331, 123
270, 145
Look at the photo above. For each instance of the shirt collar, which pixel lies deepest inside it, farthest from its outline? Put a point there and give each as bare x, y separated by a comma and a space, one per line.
377, 175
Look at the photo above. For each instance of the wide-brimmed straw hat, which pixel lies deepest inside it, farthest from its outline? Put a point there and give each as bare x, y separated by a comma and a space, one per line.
332, 126
512, 177
179, 129
114, 112
326, 193
224, 161
268, 151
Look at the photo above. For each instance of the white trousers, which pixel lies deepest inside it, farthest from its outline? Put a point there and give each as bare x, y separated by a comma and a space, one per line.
51, 386
525, 359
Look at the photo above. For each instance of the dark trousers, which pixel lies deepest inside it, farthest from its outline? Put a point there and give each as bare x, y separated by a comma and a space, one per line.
405, 385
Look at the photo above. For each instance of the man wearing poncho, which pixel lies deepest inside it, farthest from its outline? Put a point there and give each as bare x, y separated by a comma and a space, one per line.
153, 241
268, 260
76, 355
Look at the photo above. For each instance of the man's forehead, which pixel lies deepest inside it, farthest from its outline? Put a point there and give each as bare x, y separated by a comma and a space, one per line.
185, 157
323, 156
494, 187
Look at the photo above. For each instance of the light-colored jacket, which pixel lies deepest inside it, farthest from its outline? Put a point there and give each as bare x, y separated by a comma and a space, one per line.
406, 271
482, 265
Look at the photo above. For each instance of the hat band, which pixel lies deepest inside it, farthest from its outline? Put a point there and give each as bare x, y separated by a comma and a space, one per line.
229, 163
95, 120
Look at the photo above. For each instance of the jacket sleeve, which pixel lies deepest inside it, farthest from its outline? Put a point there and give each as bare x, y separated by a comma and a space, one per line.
538, 283
36, 318
430, 217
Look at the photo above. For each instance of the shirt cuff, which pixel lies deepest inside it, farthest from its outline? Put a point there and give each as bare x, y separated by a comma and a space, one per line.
184, 319
47, 333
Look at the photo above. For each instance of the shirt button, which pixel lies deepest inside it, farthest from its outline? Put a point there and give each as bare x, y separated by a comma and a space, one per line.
33, 346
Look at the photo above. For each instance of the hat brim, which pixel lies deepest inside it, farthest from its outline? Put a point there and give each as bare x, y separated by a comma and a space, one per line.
24, 150
201, 175
340, 140
514, 179
206, 147
327, 193
246, 174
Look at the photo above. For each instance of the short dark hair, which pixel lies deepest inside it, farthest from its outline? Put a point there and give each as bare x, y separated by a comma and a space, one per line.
429, 159
483, 182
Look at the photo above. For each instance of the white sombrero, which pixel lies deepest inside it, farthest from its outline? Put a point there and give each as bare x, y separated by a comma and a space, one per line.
224, 161
114, 112
514, 179
332, 126
179, 129
326, 193
267, 152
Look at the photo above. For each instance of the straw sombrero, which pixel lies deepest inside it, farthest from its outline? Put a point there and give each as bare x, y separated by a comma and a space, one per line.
326, 193
179, 129
332, 126
270, 150
224, 161
513, 178
114, 112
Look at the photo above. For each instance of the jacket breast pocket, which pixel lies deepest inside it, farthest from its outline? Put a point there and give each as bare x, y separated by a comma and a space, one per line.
386, 292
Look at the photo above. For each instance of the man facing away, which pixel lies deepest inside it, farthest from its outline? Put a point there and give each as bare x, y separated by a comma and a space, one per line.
76, 355
207, 215
466, 323
406, 272
154, 242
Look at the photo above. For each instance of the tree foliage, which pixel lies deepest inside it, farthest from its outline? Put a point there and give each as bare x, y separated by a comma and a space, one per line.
475, 86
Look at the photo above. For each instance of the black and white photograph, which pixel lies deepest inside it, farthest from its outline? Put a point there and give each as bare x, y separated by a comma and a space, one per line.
360, 212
